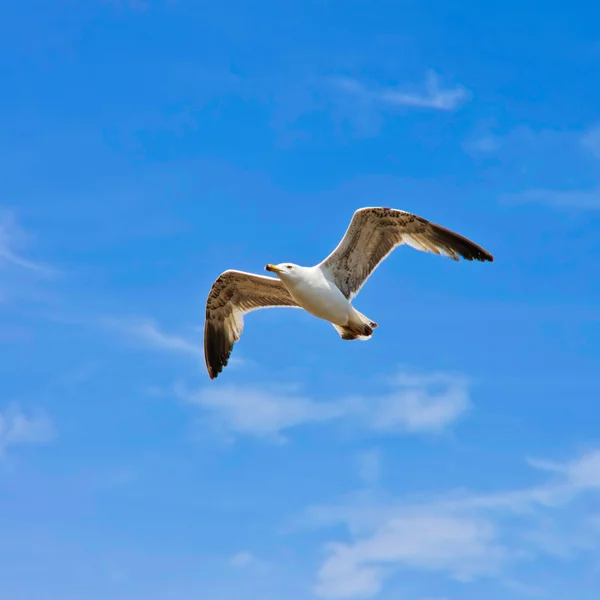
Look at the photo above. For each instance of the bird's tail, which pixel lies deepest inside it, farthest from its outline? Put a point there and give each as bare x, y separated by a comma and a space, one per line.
358, 328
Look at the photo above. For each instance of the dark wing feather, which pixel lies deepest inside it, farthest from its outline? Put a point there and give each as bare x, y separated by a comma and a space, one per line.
374, 232
233, 294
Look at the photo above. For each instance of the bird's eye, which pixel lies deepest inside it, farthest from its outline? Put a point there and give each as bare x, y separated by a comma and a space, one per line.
289, 266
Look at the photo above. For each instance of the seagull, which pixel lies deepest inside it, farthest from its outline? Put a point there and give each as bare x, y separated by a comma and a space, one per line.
325, 290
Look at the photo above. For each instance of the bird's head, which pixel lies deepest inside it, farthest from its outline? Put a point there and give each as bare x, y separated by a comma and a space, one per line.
284, 270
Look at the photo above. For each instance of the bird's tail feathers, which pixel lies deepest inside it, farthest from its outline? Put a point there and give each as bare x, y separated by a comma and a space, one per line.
366, 320
360, 328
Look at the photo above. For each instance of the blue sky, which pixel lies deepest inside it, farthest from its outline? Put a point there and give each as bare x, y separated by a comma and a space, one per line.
149, 145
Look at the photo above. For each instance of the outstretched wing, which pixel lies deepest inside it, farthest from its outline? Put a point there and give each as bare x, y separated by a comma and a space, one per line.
374, 232
233, 294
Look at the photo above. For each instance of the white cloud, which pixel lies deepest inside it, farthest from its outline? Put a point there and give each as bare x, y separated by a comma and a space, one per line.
464, 535
582, 474
16, 429
12, 239
148, 333
565, 146
420, 403
416, 403
247, 560
561, 164
524, 149
249, 563
341, 576
486, 144
241, 559
432, 95
566, 199
463, 547
260, 412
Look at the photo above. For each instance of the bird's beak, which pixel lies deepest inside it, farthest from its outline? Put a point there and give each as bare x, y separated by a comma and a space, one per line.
272, 268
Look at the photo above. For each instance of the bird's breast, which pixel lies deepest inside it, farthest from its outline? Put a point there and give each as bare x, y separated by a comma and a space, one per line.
322, 299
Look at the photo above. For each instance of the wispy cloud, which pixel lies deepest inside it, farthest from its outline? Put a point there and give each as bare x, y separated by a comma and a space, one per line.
247, 560
485, 144
147, 333
426, 402
577, 198
460, 546
415, 403
525, 148
464, 535
13, 239
241, 559
260, 412
17, 428
562, 165
561, 199
430, 95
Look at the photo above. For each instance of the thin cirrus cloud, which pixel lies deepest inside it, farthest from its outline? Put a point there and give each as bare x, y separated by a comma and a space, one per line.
554, 160
415, 402
421, 403
247, 560
19, 429
431, 95
13, 239
147, 333
462, 535
22, 279
581, 199
242, 559
560, 199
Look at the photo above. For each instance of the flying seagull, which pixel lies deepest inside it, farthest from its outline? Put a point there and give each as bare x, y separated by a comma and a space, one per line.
327, 289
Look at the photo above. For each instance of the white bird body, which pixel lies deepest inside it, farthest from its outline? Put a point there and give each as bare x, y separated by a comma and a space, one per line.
327, 289
316, 293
